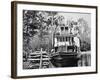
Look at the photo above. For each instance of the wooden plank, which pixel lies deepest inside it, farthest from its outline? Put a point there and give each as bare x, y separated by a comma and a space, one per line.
39, 59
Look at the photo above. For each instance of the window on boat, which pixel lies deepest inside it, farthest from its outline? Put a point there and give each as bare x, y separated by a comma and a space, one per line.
58, 39
66, 28
62, 28
61, 39
66, 39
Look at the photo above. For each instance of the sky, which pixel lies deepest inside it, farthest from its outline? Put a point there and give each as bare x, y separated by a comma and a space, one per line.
75, 16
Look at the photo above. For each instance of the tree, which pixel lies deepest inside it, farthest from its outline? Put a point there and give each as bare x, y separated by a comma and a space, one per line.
36, 24
85, 34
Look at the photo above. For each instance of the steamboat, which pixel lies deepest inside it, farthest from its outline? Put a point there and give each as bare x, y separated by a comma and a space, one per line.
66, 49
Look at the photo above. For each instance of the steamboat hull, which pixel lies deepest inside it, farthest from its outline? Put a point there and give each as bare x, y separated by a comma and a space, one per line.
65, 59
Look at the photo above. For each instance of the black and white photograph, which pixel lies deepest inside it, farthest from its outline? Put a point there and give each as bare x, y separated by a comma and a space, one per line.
56, 39
53, 39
